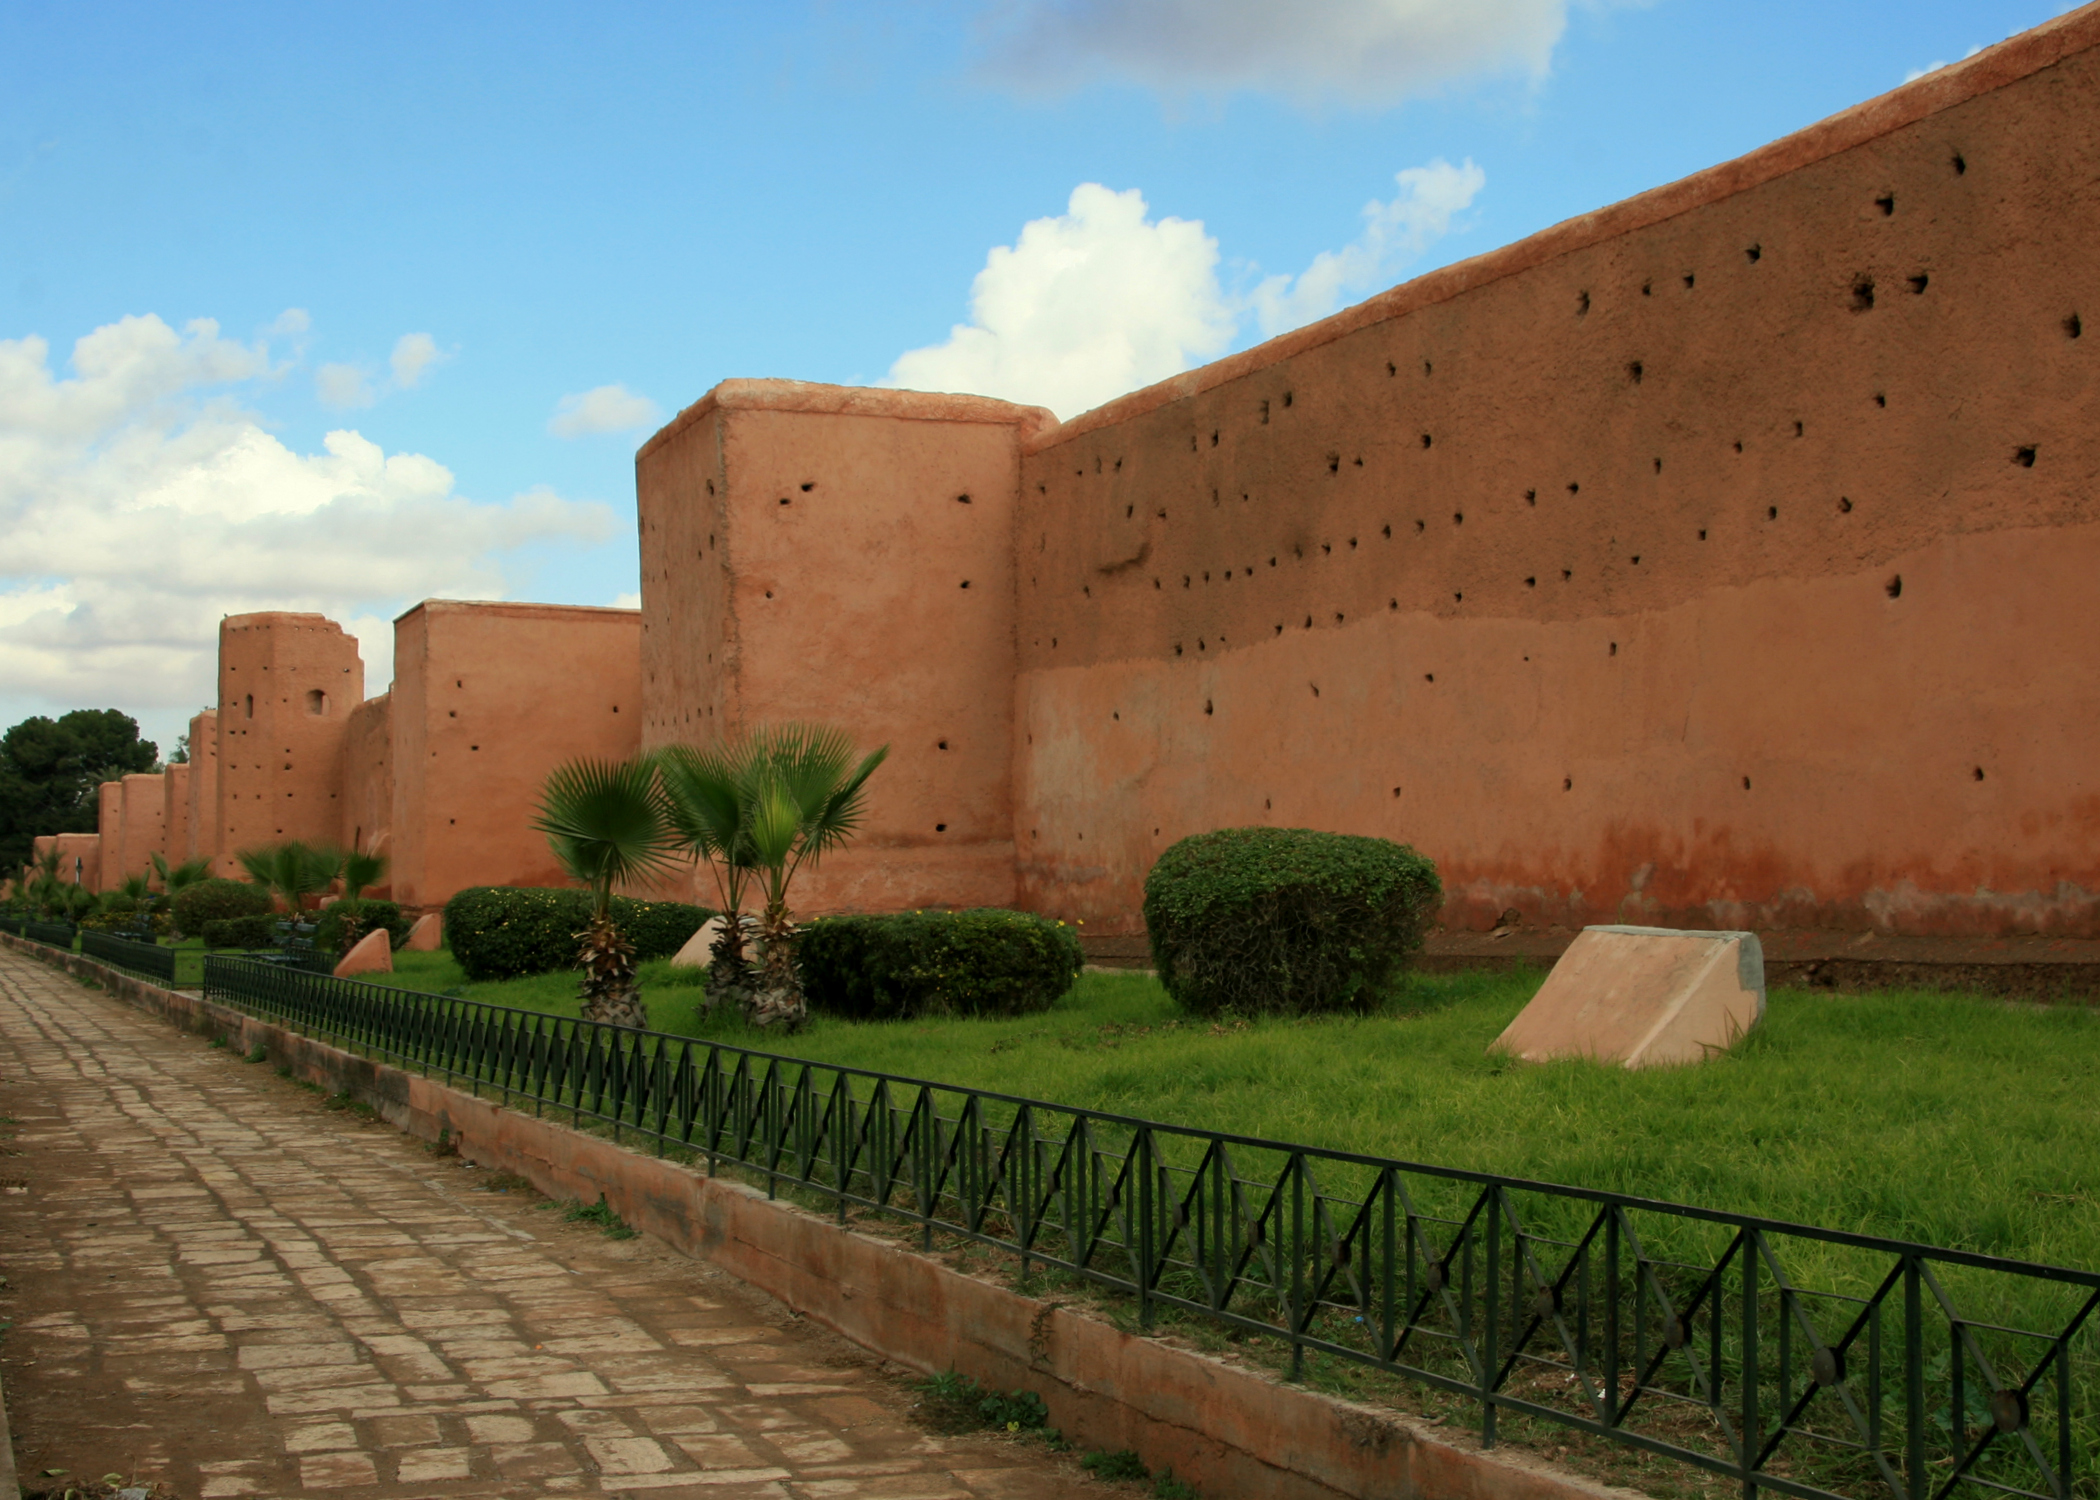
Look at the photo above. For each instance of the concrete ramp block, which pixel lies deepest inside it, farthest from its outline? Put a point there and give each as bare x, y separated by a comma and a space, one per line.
373, 954
698, 952
1643, 997
428, 935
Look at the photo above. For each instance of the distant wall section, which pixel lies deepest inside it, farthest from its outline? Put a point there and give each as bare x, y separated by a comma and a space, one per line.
287, 685
1722, 559
487, 699
846, 557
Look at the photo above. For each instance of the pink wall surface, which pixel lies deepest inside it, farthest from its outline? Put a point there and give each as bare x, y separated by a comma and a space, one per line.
845, 556
200, 828
110, 834
367, 779
287, 685
487, 699
175, 813
145, 814
1725, 558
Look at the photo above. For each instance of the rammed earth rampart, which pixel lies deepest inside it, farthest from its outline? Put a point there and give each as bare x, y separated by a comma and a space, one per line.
1723, 558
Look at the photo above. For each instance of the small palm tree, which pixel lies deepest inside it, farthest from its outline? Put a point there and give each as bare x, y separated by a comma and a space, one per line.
608, 825
805, 798
361, 869
174, 877
707, 796
292, 871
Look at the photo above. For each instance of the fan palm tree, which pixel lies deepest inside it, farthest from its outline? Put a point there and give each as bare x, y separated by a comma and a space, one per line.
608, 825
292, 871
361, 869
805, 797
174, 877
707, 797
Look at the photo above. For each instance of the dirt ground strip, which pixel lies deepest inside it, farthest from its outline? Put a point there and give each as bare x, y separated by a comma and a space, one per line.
217, 1283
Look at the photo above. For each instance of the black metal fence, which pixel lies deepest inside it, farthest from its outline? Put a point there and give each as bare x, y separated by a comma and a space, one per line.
148, 959
56, 934
1803, 1361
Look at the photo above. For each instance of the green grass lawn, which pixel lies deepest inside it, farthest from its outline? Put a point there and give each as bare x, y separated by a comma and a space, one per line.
1956, 1120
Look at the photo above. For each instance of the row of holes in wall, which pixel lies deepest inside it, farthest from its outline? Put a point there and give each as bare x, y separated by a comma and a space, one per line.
1859, 297
1859, 294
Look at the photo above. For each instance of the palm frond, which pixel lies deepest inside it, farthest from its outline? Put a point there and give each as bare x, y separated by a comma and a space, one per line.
607, 824
361, 869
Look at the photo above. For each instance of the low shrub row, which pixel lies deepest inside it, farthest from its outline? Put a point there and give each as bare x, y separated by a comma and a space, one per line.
328, 925
967, 963
1283, 920
507, 931
216, 901
258, 930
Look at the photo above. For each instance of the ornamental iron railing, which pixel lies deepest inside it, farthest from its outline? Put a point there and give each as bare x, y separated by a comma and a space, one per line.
149, 959
1792, 1359
55, 934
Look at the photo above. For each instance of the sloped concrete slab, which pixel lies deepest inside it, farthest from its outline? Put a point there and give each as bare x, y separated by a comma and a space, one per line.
698, 952
374, 954
428, 935
1643, 997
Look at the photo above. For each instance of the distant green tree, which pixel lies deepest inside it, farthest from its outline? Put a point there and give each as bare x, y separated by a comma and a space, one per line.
50, 768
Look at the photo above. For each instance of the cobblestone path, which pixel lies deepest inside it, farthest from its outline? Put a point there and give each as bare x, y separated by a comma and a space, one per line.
218, 1283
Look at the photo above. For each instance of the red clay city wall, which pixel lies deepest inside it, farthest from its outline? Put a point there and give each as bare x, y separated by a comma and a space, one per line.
487, 699
201, 825
109, 835
845, 556
175, 813
1724, 558
287, 684
366, 777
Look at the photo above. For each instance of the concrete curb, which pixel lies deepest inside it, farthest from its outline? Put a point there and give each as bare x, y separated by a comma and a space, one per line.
1226, 1429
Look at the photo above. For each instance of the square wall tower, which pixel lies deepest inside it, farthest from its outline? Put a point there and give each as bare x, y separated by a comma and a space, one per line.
287, 684
109, 834
145, 822
200, 828
846, 557
487, 699
175, 817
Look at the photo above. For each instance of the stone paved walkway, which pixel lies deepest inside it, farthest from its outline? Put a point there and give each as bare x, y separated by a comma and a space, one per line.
218, 1283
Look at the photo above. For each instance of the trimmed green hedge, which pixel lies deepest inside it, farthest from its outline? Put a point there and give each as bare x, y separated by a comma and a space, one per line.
328, 925
967, 963
505, 931
1286, 919
216, 901
256, 931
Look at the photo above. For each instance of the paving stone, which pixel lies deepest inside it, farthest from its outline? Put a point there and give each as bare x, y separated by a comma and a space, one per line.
222, 1286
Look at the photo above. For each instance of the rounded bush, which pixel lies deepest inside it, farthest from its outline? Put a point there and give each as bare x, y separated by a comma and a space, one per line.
216, 901
985, 962
1286, 920
505, 931
257, 930
328, 925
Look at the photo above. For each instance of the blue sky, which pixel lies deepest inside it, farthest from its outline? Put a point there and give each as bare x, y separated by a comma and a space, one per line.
431, 227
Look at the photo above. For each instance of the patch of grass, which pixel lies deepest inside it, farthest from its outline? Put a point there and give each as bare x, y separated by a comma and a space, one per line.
350, 1104
951, 1402
219, 1042
601, 1214
675, 996
1119, 1465
508, 1182
258, 1053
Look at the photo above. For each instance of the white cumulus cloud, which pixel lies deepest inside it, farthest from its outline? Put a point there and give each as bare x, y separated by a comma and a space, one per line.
1395, 233
342, 387
1365, 52
1083, 307
414, 354
1102, 299
141, 501
605, 408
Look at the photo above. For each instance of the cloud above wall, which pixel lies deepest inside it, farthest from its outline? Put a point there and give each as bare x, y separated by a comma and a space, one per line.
1367, 53
602, 409
141, 500
1103, 299
1084, 306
